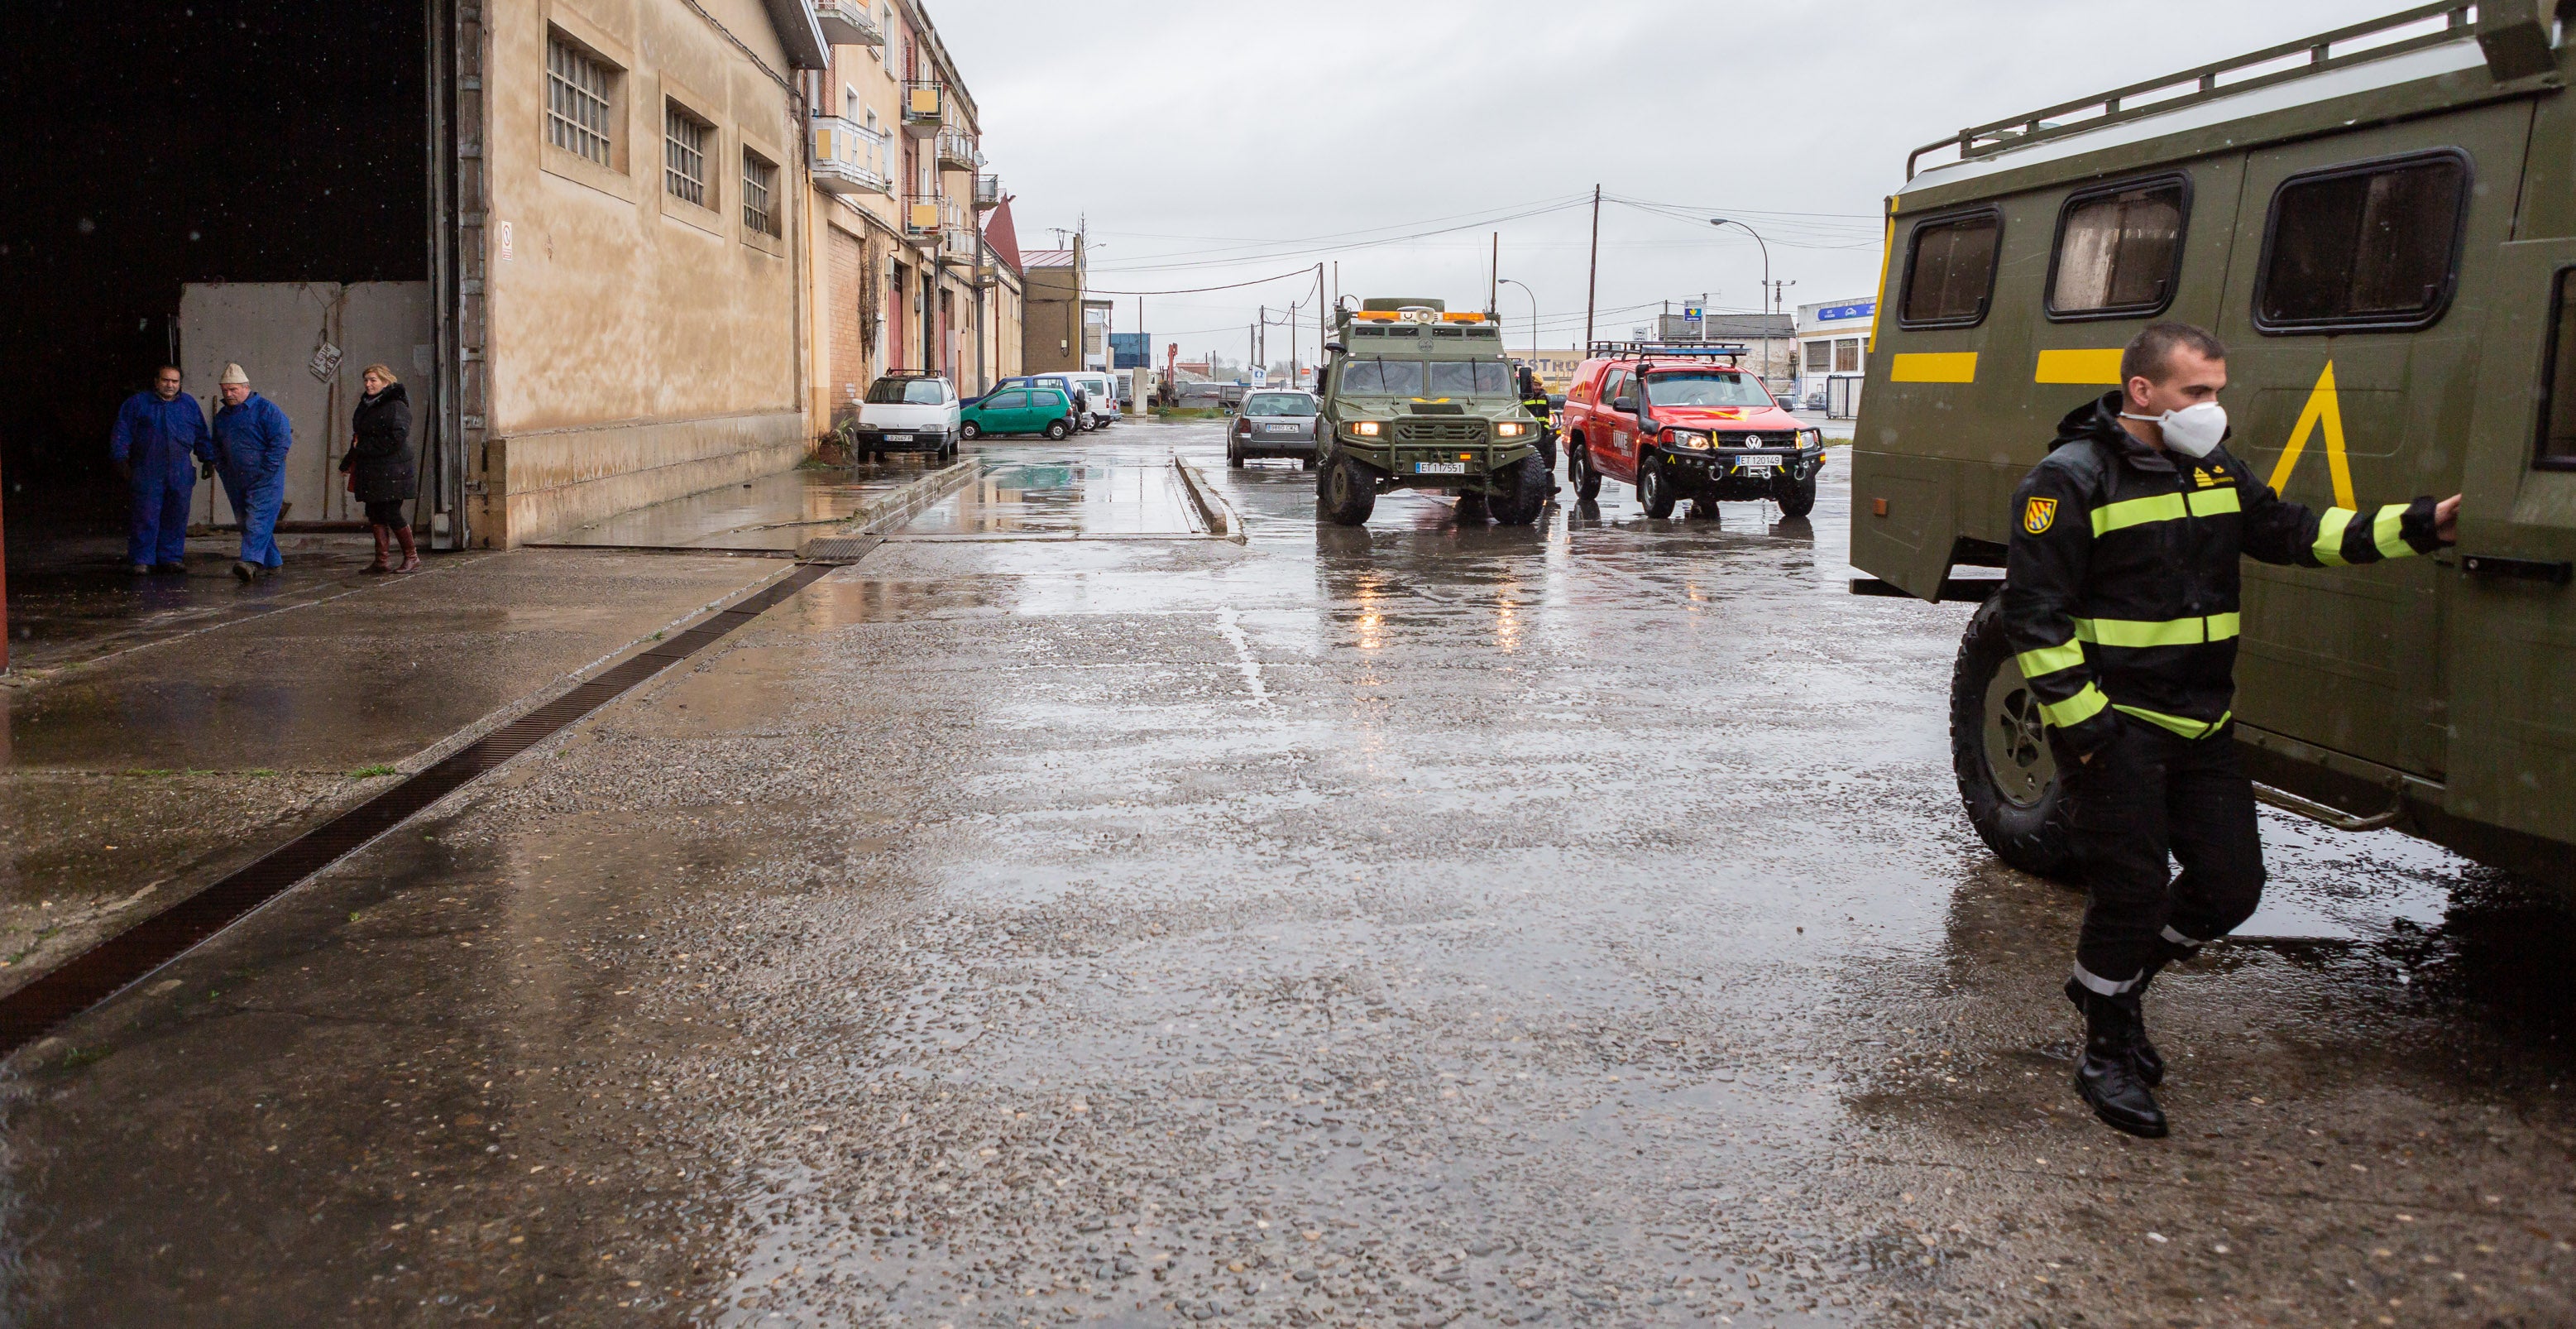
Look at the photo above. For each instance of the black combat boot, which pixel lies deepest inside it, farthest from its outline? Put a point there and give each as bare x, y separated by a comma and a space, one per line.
2110, 1077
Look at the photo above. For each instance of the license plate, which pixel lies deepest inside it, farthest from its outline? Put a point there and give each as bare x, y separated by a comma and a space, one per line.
1761, 465
898, 438
1440, 468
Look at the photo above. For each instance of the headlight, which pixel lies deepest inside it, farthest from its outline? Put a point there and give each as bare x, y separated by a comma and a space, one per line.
1511, 429
1364, 428
1687, 439
1811, 438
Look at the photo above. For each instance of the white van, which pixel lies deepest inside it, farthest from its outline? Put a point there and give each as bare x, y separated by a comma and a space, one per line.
907, 411
1102, 394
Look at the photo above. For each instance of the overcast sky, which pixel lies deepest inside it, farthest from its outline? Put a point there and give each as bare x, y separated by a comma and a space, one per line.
1216, 143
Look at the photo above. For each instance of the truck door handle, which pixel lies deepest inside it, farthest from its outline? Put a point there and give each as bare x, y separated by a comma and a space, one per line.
2518, 569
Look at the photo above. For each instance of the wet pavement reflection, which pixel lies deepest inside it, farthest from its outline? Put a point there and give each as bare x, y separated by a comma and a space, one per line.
776, 513
1418, 924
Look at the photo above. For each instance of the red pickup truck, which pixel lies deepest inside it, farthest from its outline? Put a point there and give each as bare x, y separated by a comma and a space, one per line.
1685, 423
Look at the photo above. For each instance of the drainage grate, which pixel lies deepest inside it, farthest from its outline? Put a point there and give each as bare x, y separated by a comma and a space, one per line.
108, 968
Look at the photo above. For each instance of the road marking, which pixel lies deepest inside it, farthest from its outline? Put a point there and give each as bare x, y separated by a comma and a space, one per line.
1228, 628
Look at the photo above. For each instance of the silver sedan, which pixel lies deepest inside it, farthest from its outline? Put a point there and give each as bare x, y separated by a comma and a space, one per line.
1273, 424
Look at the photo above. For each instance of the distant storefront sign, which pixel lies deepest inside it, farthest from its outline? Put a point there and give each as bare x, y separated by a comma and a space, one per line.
1830, 313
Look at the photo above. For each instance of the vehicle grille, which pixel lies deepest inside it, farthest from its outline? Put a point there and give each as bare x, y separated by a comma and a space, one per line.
1783, 439
1439, 431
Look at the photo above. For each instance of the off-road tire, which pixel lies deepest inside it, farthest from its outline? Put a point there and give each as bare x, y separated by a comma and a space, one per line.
1580, 473
1530, 483
970, 431
1999, 750
1654, 492
1703, 509
1797, 500
1055, 429
1346, 492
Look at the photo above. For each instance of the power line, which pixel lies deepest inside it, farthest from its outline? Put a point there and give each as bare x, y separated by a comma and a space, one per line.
1307, 271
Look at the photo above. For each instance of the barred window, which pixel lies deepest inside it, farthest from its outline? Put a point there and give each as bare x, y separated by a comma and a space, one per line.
684, 154
577, 100
1847, 355
1820, 357
759, 184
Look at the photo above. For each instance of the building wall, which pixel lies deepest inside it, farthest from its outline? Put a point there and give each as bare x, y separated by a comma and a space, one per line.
641, 347
1051, 334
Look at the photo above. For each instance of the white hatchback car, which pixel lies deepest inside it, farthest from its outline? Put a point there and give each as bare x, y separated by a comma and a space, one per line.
907, 412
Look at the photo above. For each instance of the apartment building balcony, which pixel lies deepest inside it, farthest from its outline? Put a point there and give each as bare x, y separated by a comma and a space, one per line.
932, 216
957, 151
925, 107
846, 24
958, 241
988, 192
849, 158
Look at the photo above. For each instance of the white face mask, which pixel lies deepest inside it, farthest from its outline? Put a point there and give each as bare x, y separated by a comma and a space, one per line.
2193, 431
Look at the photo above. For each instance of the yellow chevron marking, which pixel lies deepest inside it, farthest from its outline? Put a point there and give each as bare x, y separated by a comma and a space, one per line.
2323, 411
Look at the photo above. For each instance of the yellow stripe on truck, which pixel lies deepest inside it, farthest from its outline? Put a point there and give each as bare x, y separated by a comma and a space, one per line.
2099, 368
1933, 367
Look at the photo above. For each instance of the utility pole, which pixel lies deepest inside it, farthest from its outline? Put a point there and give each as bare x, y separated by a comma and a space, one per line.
1494, 276
1592, 284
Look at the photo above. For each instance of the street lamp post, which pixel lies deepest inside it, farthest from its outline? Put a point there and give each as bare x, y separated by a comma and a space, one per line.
1766, 282
1533, 295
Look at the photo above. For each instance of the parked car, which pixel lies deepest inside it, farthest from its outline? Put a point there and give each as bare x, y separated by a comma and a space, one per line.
1685, 425
1274, 424
1100, 397
907, 411
1018, 411
1066, 383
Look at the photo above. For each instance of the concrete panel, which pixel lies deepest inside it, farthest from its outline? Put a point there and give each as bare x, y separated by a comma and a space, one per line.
271, 329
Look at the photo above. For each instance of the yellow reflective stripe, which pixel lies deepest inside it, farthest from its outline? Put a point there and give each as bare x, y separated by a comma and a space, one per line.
2185, 727
2211, 502
2087, 702
2155, 632
2384, 532
2137, 512
1933, 367
2049, 659
2330, 527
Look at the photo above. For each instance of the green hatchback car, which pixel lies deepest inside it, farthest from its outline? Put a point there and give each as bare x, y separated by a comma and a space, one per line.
1017, 411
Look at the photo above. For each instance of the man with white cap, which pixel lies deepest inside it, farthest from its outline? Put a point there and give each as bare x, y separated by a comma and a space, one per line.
252, 438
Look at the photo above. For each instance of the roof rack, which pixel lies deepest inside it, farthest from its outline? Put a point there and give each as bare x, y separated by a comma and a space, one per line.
2205, 83
1623, 349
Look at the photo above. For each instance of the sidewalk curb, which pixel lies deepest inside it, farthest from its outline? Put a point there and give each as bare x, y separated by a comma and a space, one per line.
1220, 516
893, 509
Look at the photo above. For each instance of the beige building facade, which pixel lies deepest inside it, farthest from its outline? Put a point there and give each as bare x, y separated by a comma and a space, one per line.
629, 303
895, 212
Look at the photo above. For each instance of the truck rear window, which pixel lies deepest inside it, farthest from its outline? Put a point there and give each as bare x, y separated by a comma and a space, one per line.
1704, 388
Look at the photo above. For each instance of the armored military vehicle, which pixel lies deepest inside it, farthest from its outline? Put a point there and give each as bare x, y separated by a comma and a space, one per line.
1415, 397
2380, 221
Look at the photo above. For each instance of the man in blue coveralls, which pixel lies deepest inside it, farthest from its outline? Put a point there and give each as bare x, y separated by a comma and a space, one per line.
251, 441
159, 441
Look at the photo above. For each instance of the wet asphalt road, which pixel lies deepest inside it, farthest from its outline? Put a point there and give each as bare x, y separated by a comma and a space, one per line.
1409, 926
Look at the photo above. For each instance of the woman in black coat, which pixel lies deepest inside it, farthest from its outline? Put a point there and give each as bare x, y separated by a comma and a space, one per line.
379, 466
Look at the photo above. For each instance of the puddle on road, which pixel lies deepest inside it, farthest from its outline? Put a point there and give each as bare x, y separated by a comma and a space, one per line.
1062, 497
775, 512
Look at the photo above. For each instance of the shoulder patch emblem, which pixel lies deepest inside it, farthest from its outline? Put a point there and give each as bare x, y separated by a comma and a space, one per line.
2039, 516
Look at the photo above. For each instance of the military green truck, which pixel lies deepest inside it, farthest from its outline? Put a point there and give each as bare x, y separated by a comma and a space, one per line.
1415, 397
2380, 221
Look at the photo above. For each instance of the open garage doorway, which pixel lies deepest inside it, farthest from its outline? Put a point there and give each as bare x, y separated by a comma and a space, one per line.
203, 182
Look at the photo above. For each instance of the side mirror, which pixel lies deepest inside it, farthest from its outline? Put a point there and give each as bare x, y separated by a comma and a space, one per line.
1333, 348
1626, 405
1556, 401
